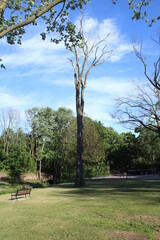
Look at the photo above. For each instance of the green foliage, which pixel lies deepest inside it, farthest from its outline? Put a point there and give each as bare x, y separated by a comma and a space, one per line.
93, 145
53, 139
17, 14
139, 12
19, 161
121, 158
3, 158
91, 171
2, 65
149, 149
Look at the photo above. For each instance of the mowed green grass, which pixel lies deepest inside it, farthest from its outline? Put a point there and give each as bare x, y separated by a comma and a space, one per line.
108, 209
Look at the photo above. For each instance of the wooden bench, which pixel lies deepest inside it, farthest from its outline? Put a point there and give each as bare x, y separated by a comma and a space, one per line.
21, 192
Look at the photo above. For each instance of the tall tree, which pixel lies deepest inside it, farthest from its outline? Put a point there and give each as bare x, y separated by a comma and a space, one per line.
86, 56
41, 122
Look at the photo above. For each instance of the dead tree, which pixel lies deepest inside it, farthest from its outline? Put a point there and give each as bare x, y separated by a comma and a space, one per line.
154, 79
140, 109
10, 122
86, 56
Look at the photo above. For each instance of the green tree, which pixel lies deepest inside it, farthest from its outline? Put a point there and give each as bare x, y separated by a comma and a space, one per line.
41, 122
69, 148
111, 141
149, 150
54, 161
63, 118
3, 156
19, 161
93, 157
48, 128
123, 155
93, 149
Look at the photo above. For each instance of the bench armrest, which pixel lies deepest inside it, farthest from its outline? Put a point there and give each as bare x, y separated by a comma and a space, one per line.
13, 194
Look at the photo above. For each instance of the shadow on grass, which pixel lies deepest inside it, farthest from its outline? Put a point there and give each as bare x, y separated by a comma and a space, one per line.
37, 184
122, 185
3, 184
115, 188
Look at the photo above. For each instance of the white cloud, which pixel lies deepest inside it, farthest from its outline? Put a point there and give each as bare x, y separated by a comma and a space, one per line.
37, 53
44, 54
18, 101
60, 82
89, 25
116, 41
102, 85
109, 85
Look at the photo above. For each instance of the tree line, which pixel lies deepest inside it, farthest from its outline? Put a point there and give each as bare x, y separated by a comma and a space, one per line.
23, 13
47, 146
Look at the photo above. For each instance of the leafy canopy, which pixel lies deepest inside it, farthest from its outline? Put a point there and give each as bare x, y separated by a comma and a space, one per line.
16, 14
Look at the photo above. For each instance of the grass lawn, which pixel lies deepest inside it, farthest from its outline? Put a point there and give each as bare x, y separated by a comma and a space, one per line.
110, 209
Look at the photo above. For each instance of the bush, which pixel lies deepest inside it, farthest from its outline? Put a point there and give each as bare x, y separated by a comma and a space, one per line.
95, 171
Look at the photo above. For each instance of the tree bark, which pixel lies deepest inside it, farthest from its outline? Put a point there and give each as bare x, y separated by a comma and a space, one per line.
79, 182
39, 169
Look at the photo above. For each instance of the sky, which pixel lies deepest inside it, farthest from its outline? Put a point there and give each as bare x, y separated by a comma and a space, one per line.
39, 74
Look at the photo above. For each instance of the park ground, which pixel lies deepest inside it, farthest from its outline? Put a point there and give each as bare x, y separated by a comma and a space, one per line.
123, 209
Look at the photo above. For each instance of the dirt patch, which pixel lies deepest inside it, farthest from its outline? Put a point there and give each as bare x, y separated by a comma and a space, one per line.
149, 218
33, 176
29, 176
157, 234
125, 235
3, 175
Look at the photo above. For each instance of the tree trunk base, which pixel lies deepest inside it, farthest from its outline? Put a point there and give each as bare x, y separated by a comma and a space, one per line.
80, 183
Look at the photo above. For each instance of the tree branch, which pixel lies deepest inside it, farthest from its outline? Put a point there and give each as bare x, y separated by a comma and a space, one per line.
3, 6
32, 18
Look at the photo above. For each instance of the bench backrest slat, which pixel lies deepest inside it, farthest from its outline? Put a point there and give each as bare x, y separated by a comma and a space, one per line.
23, 191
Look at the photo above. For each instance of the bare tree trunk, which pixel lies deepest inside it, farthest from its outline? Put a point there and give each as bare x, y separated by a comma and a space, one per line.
79, 161
40, 165
4, 141
7, 150
36, 154
40, 169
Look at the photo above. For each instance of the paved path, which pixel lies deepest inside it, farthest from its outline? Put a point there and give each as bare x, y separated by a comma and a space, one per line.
147, 176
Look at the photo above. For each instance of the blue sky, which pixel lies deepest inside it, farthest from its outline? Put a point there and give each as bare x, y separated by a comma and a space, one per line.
39, 74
